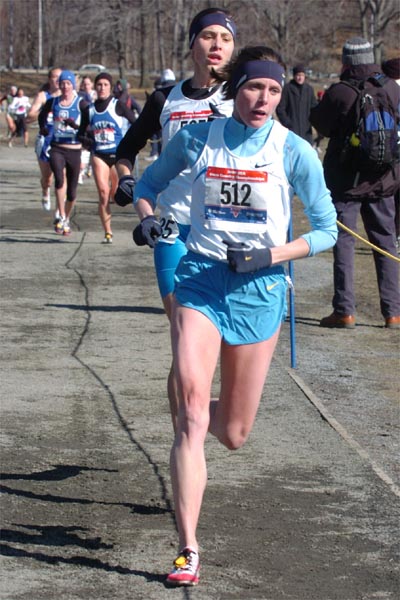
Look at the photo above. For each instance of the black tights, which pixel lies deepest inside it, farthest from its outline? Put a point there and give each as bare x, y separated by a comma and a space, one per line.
70, 159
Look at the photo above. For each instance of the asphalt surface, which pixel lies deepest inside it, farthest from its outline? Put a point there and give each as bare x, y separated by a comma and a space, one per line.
307, 510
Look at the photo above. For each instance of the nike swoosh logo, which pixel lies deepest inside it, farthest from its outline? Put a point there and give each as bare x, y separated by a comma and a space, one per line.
272, 285
215, 111
263, 165
247, 258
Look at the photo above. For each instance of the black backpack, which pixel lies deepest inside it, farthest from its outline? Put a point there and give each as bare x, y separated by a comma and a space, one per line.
372, 146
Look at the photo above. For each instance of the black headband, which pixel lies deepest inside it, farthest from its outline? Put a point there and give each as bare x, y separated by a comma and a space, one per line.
216, 18
254, 69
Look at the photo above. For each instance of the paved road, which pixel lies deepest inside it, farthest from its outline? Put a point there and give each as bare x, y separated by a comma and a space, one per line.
308, 509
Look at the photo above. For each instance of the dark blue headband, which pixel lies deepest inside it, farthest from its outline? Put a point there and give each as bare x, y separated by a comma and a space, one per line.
211, 19
254, 69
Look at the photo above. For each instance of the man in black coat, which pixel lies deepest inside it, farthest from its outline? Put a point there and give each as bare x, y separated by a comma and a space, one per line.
353, 192
297, 100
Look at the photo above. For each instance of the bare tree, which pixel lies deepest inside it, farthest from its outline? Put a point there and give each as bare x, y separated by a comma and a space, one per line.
375, 17
149, 35
160, 17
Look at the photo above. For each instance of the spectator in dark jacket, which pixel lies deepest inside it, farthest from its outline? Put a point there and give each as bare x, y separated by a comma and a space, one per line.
121, 92
391, 68
297, 100
371, 194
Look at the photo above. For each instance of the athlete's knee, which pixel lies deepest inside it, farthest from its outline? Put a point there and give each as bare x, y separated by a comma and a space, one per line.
193, 418
104, 195
233, 438
58, 176
167, 302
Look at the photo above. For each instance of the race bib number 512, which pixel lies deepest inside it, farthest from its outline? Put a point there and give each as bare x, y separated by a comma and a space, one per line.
235, 197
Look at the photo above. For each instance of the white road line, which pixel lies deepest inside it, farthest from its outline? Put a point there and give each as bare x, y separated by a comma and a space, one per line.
342, 431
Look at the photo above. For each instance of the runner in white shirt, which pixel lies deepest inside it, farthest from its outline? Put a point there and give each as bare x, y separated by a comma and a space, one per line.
50, 90
18, 109
231, 287
198, 99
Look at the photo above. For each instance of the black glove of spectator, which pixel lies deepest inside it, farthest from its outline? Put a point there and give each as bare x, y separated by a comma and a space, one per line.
243, 260
124, 194
71, 123
147, 232
44, 131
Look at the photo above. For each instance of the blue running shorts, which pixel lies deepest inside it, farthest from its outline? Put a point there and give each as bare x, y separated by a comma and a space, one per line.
42, 146
166, 259
246, 308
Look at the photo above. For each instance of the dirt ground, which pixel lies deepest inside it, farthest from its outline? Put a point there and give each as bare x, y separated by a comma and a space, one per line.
307, 510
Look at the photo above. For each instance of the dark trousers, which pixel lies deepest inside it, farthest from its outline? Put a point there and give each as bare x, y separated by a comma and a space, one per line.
379, 222
70, 160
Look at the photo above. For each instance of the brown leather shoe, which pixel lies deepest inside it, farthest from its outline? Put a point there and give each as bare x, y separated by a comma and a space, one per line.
340, 321
392, 322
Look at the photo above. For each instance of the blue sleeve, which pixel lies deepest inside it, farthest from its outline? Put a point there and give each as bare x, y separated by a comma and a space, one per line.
305, 174
181, 152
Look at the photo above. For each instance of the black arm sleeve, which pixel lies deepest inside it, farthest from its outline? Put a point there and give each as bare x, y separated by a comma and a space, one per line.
84, 121
143, 128
123, 111
43, 114
83, 104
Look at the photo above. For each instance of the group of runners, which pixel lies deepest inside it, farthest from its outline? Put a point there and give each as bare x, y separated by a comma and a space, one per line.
72, 124
222, 189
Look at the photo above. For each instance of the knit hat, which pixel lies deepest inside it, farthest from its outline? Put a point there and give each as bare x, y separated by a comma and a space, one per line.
358, 51
67, 76
391, 68
103, 75
299, 69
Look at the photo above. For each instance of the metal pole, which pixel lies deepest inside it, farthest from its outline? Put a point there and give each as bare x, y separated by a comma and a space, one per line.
292, 310
11, 35
40, 35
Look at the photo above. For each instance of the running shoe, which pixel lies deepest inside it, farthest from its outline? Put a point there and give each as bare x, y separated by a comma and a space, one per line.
67, 228
46, 204
186, 569
107, 238
59, 225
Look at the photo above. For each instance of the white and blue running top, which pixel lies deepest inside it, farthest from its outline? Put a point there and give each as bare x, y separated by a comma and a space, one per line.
243, 181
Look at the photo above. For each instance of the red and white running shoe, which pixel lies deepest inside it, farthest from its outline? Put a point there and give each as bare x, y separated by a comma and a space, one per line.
59, 225
66, 228
186, 569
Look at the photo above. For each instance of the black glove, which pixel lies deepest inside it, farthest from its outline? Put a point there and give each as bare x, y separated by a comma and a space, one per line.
86, 141
244, 260
124, 194
71, 123
147, 232
44, 131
